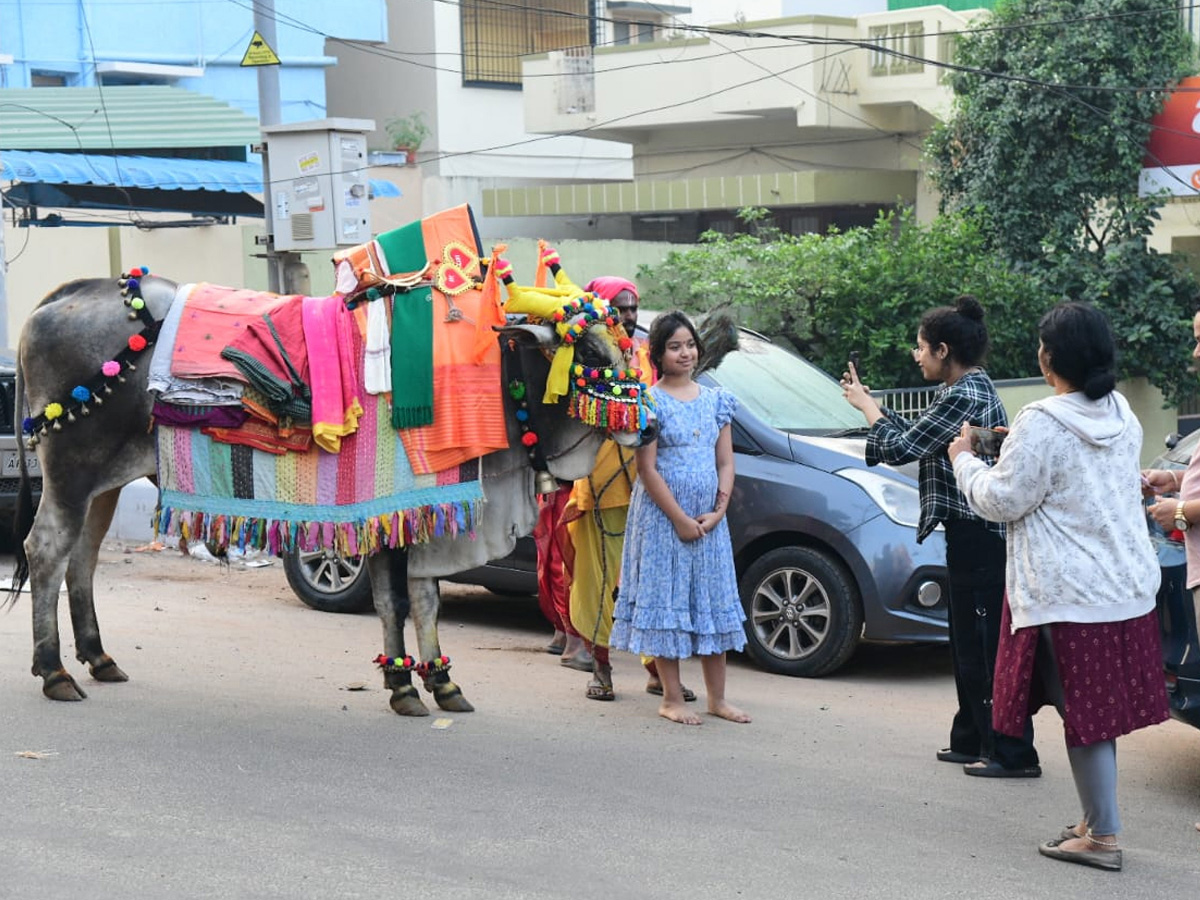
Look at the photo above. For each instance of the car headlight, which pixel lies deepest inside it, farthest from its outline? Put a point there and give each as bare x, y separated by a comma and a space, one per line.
900, 502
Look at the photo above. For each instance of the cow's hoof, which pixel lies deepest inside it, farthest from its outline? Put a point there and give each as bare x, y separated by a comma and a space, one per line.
61, 686
449, 696
107, 670
406, 702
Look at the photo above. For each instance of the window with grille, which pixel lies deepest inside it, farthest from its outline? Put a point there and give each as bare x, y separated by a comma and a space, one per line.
906, 38
47, 79
947, 52
496, 35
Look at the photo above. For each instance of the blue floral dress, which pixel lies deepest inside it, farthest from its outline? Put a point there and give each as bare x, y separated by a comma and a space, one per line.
680, 599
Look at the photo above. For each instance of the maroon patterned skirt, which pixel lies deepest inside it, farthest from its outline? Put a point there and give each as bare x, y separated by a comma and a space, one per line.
1112, 677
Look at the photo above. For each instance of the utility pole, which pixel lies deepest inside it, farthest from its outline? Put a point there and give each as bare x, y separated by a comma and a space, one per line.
286, 272
3, 284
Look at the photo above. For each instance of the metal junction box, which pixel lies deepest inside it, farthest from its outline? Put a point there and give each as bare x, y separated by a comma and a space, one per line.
318, 183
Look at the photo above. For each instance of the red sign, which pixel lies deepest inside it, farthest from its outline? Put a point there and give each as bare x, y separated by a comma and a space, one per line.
1175, 140
1172, 161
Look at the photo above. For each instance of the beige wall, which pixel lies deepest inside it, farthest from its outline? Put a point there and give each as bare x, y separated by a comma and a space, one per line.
585, 260
1145, 400
371, 82
44, 258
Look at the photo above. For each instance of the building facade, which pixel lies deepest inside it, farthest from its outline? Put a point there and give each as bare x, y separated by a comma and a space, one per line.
195, 46
819, 118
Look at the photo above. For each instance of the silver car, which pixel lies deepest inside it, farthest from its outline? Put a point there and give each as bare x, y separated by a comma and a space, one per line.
825, 547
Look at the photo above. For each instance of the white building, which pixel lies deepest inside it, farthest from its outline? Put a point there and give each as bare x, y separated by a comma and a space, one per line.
802, 120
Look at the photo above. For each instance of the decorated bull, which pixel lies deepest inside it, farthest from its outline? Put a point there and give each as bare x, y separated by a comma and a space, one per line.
443, 483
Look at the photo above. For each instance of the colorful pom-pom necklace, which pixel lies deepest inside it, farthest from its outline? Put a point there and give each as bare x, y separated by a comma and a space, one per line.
112, 371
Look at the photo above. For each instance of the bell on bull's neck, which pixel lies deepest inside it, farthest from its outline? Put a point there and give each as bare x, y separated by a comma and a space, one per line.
545, 483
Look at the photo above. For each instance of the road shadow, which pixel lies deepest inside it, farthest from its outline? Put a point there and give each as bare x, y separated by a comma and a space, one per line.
884, 662
462, 605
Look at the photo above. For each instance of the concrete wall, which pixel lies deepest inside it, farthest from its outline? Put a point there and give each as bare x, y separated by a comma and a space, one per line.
585, 260
43, 258
1145, 400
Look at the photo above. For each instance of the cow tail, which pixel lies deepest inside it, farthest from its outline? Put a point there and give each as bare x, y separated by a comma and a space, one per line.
23, 518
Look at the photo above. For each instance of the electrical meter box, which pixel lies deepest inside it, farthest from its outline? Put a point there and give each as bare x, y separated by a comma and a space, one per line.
318, 183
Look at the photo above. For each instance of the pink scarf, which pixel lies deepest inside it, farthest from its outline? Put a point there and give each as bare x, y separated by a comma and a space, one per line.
334, 347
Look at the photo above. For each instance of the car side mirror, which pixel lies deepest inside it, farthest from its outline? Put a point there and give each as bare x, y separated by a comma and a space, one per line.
1172, 439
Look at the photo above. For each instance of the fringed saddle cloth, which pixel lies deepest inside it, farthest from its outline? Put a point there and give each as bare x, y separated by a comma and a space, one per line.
362, 499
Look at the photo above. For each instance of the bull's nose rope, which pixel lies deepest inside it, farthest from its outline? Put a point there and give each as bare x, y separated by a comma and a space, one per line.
112, 371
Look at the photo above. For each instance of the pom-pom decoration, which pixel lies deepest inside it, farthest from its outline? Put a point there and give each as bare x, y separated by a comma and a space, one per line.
613, 399
529, 439
90, 391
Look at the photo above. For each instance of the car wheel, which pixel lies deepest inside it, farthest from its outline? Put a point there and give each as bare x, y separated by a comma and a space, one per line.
328, 582
803, 615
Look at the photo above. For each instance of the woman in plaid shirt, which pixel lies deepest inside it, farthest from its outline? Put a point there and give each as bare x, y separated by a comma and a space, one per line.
951, 343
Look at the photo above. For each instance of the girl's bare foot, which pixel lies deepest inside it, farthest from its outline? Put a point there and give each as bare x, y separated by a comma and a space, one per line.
678, 713
726, 711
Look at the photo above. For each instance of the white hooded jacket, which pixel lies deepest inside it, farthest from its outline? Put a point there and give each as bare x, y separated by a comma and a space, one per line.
1068, 484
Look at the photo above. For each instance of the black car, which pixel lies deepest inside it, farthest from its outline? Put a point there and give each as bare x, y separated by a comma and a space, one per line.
1177, 612
825, 547
11, 446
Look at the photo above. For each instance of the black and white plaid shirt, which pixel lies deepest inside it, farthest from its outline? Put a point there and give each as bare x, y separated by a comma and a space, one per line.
895, 441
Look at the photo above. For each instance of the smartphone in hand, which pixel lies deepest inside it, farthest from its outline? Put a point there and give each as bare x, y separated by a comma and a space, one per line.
854, 357
987, 441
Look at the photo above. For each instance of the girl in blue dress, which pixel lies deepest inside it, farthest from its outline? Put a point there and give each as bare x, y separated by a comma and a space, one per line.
679, 594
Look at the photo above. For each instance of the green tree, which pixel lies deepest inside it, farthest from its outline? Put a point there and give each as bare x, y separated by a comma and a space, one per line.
864, 289
1044, 147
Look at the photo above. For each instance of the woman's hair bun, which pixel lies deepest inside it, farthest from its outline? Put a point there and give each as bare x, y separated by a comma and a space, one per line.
968, 306
1100, 382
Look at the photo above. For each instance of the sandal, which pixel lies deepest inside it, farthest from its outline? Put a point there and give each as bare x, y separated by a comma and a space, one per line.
655, 688
598, 690
1107, 857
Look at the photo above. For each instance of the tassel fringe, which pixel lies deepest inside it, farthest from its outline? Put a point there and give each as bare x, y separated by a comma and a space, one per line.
279, 536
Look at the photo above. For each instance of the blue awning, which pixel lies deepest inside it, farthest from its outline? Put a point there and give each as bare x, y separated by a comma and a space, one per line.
168, 173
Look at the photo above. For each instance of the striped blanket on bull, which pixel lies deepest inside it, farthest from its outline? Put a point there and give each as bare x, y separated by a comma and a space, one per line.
360, 500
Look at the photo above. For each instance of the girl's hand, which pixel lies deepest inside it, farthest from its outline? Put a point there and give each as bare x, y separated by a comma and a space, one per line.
688, 530
708, 521
856, 393
1163, 512
1159, 481
962, 443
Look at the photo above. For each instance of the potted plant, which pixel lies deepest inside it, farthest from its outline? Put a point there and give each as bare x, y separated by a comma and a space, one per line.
408, 133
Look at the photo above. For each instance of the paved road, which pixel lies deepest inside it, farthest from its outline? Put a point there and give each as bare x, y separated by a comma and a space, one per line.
236, 764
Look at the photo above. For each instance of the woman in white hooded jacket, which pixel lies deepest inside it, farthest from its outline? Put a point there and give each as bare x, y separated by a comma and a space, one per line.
1080, 628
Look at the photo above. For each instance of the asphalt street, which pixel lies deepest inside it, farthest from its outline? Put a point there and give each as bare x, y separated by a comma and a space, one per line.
245, 759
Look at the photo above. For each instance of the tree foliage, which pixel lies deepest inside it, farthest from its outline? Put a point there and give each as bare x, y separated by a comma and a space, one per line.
1044, 148
864, 289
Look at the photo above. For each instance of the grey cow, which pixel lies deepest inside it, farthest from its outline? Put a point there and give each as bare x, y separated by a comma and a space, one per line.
77, 327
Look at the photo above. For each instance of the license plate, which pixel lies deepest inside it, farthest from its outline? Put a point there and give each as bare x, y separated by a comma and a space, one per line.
10, 464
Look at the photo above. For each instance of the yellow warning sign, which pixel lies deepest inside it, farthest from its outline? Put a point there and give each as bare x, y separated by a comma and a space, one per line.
259, 53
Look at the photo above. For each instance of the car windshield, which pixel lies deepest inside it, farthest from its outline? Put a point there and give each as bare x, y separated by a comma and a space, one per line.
1179, 455
785, 390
